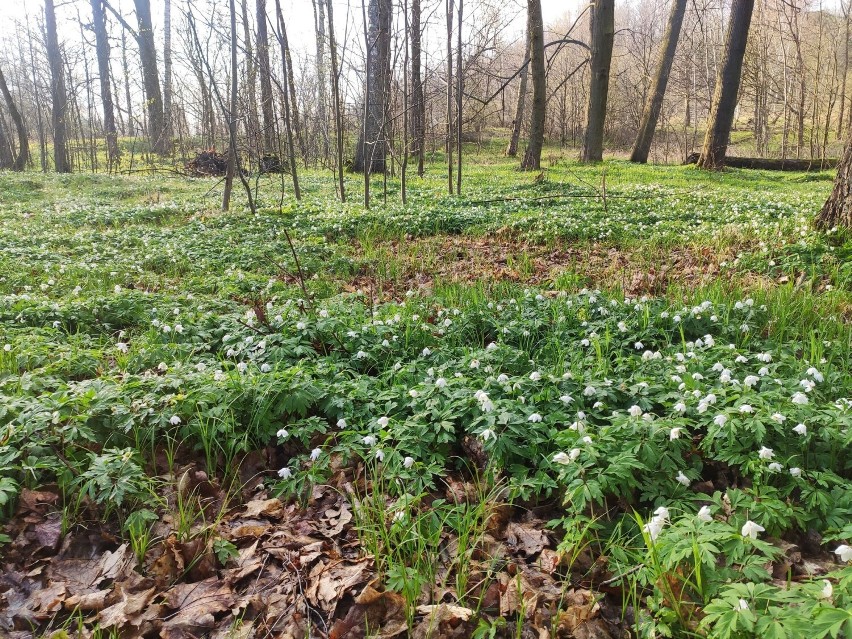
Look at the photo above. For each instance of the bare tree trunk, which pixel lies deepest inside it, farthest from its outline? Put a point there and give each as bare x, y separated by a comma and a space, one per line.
151, 79
59, 96
450, 95
518, 122
727, 86
168, 124
372, 147
418, 111
642, 146
285, 90
602, 38
846, 8
459, 92
405, 105
20, 161
232, 114
296, 128
252, 124
267, 106
535, 36
125, 67
837, 210
102, 49
335, 90
322, 88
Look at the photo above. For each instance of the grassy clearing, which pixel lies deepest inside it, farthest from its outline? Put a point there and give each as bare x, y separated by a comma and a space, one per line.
527, 402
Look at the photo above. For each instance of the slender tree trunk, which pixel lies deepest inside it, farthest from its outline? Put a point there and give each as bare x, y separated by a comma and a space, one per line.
232, 168
405, 105
285, 90
20, 161
252, 124
151, 79
847, 10
727, 86
322, 80
59, 96
267, 106
335, 90
102, 50
168, 124
602, 38
518, 122
837, 210
642, 146
535, 36
7, 157
295, 125
418, 110
372, 147
459, 92
450, 96
126, 68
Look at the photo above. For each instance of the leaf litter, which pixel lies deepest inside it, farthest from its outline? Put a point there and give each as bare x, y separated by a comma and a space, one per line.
296, 571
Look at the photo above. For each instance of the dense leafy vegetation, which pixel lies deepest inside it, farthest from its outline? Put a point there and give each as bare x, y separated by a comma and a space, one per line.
681, 436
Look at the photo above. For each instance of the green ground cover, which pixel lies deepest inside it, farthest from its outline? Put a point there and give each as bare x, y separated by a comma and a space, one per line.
680, 439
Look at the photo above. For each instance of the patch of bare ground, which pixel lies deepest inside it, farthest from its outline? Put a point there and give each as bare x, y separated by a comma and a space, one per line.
391, 268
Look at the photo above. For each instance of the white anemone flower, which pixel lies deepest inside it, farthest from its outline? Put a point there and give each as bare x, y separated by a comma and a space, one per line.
799, 398
751, 529
704, 514
765, 453
800, 429
315, 454
285, 473
682, 478
844, 553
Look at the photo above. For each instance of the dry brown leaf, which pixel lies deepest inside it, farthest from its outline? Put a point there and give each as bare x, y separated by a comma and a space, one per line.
382, 612
329, 581
579, 607
48, 600
196, 604
272, 508
443, 620
128, 608
334, 520
525, 539
89, 602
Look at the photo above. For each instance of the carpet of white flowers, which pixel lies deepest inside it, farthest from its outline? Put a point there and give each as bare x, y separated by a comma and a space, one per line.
683, 443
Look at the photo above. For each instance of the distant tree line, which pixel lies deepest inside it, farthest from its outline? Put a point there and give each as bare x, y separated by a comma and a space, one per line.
91, 84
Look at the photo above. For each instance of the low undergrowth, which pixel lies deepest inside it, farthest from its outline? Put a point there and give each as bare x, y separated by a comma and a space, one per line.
636, 418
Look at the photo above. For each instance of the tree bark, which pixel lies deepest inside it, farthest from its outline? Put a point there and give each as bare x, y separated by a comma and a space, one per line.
20, 161
151, 79
322, 89
651, 115
252, 124
459, 95
418, 104
285, 90
102, 50
727, 86
59, 96
837, 210
335, 89
450, 96
131, 130
602, 38
232, 168
168, 124
267, 107
518, 122
535, 36
372, 146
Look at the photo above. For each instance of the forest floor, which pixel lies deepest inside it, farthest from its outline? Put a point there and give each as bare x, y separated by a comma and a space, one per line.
533, 410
